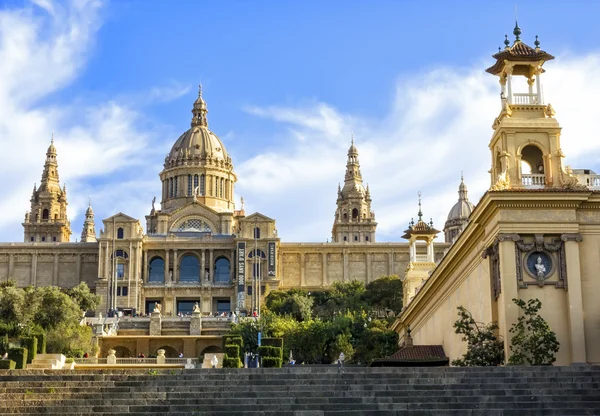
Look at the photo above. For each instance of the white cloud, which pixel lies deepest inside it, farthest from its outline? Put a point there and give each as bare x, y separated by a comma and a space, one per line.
438, 126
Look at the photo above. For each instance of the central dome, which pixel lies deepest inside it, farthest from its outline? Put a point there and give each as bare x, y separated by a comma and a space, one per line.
197, 143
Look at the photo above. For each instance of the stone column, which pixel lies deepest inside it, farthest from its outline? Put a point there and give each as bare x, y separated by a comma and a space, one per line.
369, 272
196, 323
324, 265
167, 267
202, 265
155, 323
508, 312
232, 267
105, 275
575, 298
111, 358
211, 269
145, 266
160, 357
175, 266
302, 271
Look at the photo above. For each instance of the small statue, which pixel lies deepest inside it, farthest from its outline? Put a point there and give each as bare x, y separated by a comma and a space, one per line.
153, 202
196, 308
214, 361
156, 307
540, 268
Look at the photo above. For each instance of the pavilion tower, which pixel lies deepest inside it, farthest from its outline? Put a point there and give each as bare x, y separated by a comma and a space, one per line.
525, 146
459, 214
354, 221
88, 233
47, 220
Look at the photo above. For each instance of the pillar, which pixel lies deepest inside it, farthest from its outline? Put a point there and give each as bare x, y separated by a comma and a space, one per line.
175, 266
106, 260
211, 267
145, 266
509, 82
167, 267
575, 298
232, 265
508, 312
538, 86
202, 265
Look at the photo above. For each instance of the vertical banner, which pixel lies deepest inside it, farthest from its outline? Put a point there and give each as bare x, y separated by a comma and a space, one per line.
271, 270
241, 266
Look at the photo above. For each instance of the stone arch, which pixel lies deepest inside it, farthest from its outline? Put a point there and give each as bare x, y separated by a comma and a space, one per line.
354, 213
45, 214
170, 352
189, 268
532, 154
212, 349
122, 352
194, 223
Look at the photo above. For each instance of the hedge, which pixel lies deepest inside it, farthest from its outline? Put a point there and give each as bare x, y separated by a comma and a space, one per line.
7, 365
272, 342
271, 362
31, 344
41, 342
236, 340
232, 351
3, 344
268, 351
19, 356
231, 362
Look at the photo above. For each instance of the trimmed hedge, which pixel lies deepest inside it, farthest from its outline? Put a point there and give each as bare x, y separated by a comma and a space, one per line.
272, 342
19, 356
268, 351
41, 342
231, 362
3, 344
232, 351
271, 362
236, 340
7, 365
31, 344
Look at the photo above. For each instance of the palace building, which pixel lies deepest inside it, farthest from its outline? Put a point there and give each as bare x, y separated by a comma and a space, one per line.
194, 245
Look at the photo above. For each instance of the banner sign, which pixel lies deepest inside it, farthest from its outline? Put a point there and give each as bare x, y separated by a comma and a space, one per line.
241, 272
272, 258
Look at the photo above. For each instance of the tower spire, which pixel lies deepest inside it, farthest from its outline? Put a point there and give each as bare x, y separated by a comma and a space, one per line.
199, 110
88, 233
420, 212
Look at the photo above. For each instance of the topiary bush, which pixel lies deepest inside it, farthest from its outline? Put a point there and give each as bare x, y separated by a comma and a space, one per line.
31, 344
232, 351
7, 365
19, 356
231, 362
3, 344
41, 342
272, 342
271, 362
236, 340
268, 351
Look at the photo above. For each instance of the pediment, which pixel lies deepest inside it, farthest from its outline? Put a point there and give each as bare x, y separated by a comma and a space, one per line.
120, 217
257, 217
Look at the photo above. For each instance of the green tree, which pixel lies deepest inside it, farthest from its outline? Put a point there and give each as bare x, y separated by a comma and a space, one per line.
86, 300
484, 348
533, 342
385, 294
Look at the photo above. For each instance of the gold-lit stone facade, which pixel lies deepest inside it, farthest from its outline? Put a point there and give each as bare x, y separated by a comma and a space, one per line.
196, 246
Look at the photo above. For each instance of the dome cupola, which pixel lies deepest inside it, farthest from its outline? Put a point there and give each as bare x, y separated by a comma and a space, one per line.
459, 214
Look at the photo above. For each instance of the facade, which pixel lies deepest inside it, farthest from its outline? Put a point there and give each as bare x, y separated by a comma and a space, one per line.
196, 245
534, 234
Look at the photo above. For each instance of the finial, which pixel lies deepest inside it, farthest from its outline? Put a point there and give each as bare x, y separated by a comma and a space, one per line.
499, 48
90, 202
462, 177
537, 42
52, 138
411, 223
420, 213
431, 222
352, 137
506, 42
517, 31
200, 90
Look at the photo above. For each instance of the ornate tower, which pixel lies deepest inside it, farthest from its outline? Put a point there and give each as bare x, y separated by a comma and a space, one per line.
88, 233
420, 238
47, 221
459, 214
354, 221
525, 145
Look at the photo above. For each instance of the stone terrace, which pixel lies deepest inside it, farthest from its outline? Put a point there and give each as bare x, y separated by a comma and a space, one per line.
306, 391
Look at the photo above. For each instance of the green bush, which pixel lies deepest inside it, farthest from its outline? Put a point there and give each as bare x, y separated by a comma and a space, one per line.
41, 342
231, 362
232, 351
272, 342
271, 362
236, 340
7, 365
19, 356
3, 344
268, 351
11, 329
31, 344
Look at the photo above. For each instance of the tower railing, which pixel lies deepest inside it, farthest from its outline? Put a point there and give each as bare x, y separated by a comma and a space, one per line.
525, 98
533, 180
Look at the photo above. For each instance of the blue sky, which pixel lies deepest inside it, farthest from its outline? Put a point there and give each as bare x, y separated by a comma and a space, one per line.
286, 84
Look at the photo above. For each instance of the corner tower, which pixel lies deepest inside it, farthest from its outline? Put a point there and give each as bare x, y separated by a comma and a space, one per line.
88, 233
459, 214
525, 146
354, 221
198, 167
47, 220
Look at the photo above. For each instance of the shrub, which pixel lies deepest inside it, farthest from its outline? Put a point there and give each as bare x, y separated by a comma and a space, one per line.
235, 340
533, 341
3, 344
272, 342
41, 342
232, 351
231, 362
31, 344
271, 362
19, 356
272, 352
484, 348
7, 365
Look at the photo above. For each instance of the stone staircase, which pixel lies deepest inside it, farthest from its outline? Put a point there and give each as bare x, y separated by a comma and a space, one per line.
306, 391
47, 361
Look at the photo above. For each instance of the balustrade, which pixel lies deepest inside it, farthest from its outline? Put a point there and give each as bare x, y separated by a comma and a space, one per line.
533, 180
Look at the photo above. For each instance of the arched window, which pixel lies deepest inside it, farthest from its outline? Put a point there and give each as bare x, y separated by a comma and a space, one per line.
45, 214
55, 217
120, 233
156, 270
202, 185
257, 257
222, 188
222, 270
355, 214
227, 190
189, 269
256, 232
532, 166
171, 187
176, 180
190, 189
345, 215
